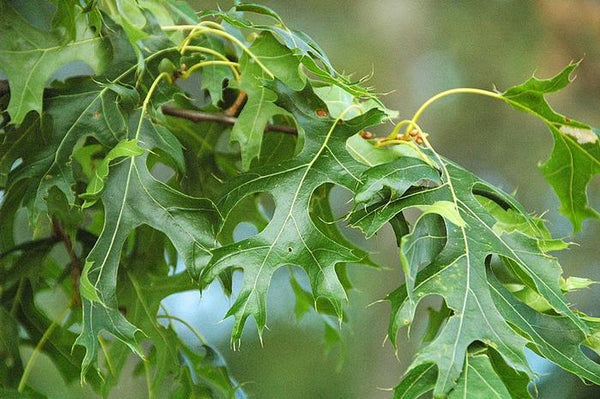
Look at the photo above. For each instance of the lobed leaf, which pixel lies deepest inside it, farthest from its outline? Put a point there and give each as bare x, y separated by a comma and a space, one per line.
29, 57
260, 106
291, 237
575, 158
453, 265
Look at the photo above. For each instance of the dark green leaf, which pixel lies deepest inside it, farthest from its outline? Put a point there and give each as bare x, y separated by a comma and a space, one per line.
291, 237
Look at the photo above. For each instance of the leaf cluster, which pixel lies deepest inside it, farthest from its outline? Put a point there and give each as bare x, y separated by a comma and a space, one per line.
126, 185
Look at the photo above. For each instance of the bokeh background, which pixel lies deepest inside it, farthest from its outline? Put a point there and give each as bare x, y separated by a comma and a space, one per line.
415, 49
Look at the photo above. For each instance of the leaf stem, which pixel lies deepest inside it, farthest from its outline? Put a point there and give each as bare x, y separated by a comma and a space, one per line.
210, 51
203, 64
240, 100
460, 90
148, 379
30, 245
38, 348
76, 266
17, 298
197, 334
217, 30
109, 362
162, 75
199, 116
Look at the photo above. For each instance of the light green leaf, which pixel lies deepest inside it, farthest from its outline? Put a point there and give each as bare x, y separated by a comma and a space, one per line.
575, 158
125, 148
509, 220
573, 283
339, 100
556, 338
458, 273
447, 209
30, 56
260, 106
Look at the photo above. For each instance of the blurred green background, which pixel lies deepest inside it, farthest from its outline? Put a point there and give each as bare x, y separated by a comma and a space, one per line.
414, 50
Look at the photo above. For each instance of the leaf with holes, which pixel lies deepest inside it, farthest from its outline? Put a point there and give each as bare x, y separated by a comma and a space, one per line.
291, 237
456, 269
132, 197
142, 286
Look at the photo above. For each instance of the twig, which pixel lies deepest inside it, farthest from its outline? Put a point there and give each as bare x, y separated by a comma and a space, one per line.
237, 104
198, 116
30, 245
76, 266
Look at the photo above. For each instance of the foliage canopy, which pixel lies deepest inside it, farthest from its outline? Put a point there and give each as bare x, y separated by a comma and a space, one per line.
133, 170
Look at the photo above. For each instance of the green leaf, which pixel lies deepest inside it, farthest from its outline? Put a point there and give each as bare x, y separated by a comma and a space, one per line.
213, 76
291, 237
12, 367
458, 272
479, 379
508, 220
35, 323
338, 100
30, 56
85, 109
260, 106
416, 382
397, 176
556, 338
125, 148
132, 197
79, 108
311, 55
194, 366
575, 158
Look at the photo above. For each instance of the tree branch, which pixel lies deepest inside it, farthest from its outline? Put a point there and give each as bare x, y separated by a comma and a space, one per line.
30, 245
199, 116
76, 266
240, 100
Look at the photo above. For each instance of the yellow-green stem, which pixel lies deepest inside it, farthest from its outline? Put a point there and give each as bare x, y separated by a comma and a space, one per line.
109, 362
394, 134
17, 300
217, 30
148, 379
162, 75
185, 323
460, 90
210, 51
38, 349
203, 64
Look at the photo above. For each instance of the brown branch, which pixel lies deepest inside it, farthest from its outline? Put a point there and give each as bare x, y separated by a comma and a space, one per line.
199, 116
76, 266
234, 110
